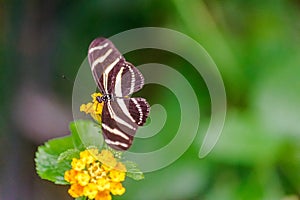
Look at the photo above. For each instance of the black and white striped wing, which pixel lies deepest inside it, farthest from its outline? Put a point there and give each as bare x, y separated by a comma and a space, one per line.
121, 116
111, 72
128, 79
120, 120
139, 109
103, 57
118, 126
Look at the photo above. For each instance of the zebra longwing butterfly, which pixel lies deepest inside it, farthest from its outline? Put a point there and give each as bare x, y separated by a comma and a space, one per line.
116, 79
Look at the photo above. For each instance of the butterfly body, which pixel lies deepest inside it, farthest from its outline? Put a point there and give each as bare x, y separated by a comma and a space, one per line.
117, 79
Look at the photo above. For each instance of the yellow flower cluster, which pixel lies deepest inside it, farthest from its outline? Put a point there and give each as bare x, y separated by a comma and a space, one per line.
93, 108
96, 175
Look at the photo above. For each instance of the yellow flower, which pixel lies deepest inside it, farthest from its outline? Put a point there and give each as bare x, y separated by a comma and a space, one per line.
94, 152
103, 184
70, 176
95, 170
83, 178
117, 176
87, 108
108, 160
92, 178
120, 167
93, 108
77, 164
76, 190
90, 190
87, 157
105, 195
117, 188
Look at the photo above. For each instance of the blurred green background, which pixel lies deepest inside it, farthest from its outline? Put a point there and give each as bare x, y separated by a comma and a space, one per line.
255, 45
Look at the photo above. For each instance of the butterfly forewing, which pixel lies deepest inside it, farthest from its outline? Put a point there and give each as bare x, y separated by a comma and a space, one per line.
103, 57
128, 80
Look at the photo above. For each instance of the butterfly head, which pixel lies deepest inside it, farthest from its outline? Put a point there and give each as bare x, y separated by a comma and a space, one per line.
104, 98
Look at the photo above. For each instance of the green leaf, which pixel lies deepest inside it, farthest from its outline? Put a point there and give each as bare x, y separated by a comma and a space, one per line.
81, 198
133, 171
136, 175
68, 155
52, 160
86, 134
55, 156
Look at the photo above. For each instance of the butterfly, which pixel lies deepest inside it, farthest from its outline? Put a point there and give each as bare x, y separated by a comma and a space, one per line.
116, 80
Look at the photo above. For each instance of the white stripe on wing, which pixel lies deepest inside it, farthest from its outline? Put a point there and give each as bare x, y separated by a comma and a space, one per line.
101, 58
117, 143
138, 106
118, 83
98, 47
132, 83
106, 72
116, 118
118, 92
115, 131
125, 109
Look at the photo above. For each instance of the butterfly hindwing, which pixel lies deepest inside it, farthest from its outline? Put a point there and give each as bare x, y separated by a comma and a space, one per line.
139, 110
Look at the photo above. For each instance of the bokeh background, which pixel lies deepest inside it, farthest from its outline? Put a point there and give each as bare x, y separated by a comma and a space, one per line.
255, 45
